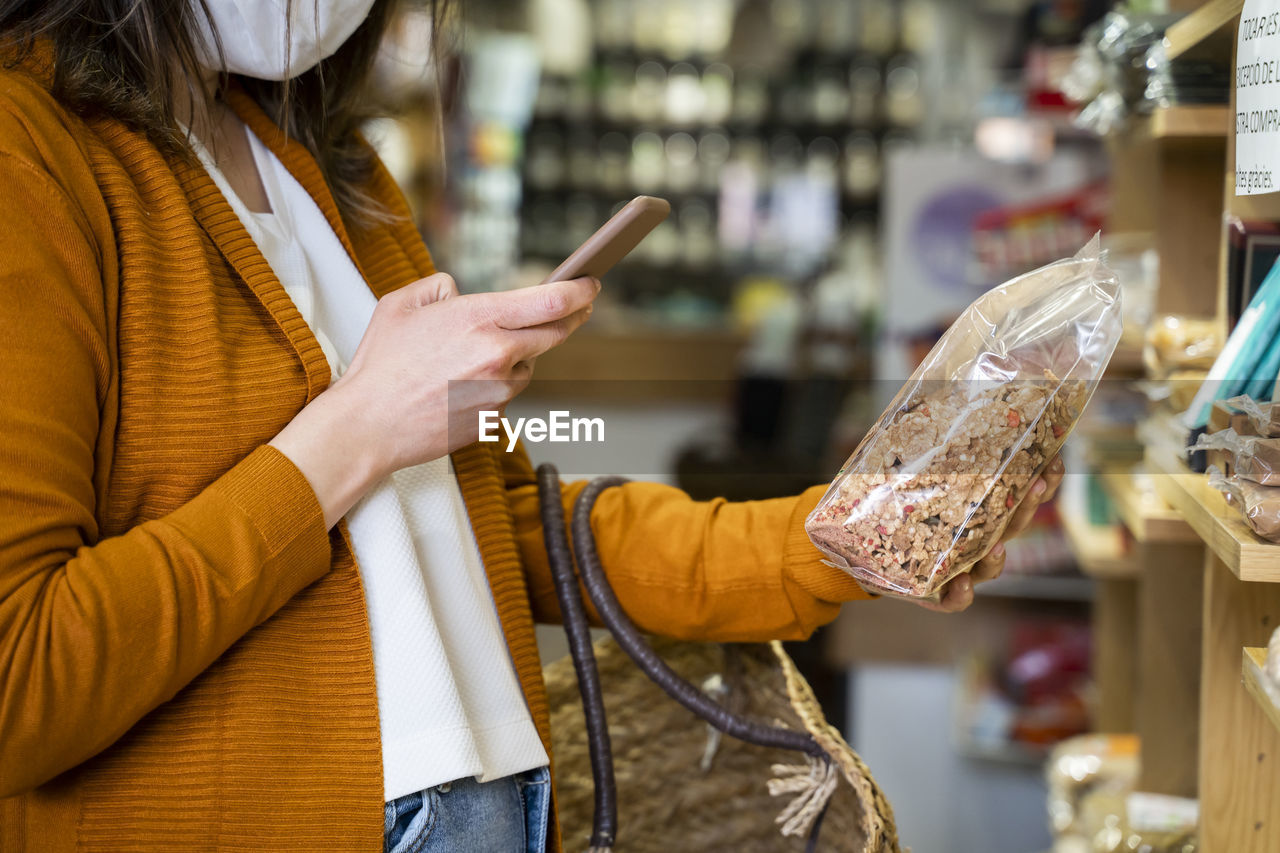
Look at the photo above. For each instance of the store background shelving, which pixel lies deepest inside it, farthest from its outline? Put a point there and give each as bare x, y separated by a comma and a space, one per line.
1189, 122
1099, 548
672, 311
1217, 524
1204, 590
1146, 515
1208, 25
814, 108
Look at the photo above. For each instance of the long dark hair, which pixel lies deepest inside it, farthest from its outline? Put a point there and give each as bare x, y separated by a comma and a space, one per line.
131, 59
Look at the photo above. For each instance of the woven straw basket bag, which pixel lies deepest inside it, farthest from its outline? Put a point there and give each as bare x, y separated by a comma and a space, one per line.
639, 772
684, 787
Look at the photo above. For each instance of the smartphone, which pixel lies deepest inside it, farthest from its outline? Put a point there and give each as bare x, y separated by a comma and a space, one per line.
611, 243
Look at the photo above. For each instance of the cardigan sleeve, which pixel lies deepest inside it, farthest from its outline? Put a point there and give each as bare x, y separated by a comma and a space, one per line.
714, 570
95, 632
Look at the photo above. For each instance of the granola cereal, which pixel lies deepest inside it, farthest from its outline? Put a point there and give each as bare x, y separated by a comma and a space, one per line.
932, 487
935, 487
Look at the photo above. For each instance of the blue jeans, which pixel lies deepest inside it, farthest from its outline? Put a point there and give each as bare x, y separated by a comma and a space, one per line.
506, 815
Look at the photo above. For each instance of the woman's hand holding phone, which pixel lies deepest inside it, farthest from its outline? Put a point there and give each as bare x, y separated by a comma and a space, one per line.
428, 363
432, 360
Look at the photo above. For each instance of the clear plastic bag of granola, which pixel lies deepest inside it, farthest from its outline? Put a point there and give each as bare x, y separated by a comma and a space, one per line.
931, 487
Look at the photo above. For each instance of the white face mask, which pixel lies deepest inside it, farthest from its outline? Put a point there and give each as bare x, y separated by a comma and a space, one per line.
256, 42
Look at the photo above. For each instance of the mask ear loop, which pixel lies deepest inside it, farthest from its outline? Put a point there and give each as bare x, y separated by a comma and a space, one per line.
631, 641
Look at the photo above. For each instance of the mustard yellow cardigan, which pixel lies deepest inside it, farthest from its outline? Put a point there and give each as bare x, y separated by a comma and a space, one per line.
185, 659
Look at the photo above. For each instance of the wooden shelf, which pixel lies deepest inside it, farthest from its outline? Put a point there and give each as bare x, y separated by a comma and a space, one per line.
1148, 517
1099, 550
1193, 30
1248, 556
1199, 121
1255, 680
1172, 176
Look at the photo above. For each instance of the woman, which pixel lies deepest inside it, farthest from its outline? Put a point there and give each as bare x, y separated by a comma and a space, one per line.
260, 588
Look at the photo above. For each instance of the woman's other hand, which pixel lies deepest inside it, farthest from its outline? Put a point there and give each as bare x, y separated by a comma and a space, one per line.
957, 595
430, 361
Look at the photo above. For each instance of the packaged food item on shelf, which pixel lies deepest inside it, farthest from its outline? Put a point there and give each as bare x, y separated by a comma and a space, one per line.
932, 486
1149, 841
1263, 417
1105, 764
1174, 342
1115, 832
1252, 457
1260, 505
1159, 823
1223, 416
1093, 807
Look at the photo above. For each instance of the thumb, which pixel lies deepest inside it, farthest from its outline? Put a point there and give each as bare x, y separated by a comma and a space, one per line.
425, 291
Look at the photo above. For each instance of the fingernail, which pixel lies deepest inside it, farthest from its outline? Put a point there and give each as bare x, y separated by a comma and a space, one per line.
590, 308
1058, 465
1038, 488
998, 550
598, 284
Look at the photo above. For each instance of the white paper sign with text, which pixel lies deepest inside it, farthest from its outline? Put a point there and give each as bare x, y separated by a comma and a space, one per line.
1258, 98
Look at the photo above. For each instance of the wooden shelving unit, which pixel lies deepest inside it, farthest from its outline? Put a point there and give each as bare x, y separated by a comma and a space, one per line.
1099, 550
1148, 517
1219, 525
1239, 743
1197, 121
1209, 21
1206, 589
1147, 626
1255, 681
1201, 589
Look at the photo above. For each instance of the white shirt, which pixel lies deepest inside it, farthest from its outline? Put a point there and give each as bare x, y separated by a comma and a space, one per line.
449, 702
